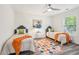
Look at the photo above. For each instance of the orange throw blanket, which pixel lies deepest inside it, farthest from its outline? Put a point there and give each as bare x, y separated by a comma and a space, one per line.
68, 38
17, 43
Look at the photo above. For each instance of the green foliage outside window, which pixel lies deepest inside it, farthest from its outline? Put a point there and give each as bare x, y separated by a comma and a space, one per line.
70, 23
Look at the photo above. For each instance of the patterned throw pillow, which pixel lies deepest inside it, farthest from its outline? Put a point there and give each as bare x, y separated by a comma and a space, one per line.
21, 31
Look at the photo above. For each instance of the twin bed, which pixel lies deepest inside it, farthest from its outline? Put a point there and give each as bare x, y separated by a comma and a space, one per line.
26, 44
62, 37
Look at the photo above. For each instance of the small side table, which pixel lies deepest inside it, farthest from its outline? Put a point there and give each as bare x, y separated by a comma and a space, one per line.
39, 35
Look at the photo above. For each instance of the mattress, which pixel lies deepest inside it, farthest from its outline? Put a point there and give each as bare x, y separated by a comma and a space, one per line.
27, 44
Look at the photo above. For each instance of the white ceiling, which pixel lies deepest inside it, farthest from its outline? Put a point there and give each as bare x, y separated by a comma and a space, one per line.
38, 9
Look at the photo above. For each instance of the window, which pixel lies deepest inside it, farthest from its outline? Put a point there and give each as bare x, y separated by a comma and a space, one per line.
70, 23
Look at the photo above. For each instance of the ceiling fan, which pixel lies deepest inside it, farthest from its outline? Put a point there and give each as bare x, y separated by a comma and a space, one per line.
50, 8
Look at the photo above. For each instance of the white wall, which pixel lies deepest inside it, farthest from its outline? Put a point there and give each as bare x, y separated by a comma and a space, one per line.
26, 20
6, 23
60, 18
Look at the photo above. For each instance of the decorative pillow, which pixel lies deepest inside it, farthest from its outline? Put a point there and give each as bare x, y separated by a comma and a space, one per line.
20, 31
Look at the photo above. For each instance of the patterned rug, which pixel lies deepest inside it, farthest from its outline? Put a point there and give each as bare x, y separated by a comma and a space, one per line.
46, 47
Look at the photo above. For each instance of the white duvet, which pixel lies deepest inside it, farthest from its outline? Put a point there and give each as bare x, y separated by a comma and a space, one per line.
27, 44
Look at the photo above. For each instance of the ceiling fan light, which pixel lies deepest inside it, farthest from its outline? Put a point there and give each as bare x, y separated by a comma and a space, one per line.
49, 9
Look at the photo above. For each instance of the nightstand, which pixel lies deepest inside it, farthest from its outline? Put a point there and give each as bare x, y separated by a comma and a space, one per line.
39, 34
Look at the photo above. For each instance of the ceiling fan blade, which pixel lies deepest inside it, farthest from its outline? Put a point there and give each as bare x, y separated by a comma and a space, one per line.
52, 7
55, 9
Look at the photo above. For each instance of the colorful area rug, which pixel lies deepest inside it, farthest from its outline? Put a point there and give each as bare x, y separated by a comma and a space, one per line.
46, 47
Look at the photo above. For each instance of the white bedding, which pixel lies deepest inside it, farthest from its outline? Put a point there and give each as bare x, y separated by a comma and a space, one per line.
27, 44
61, 38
